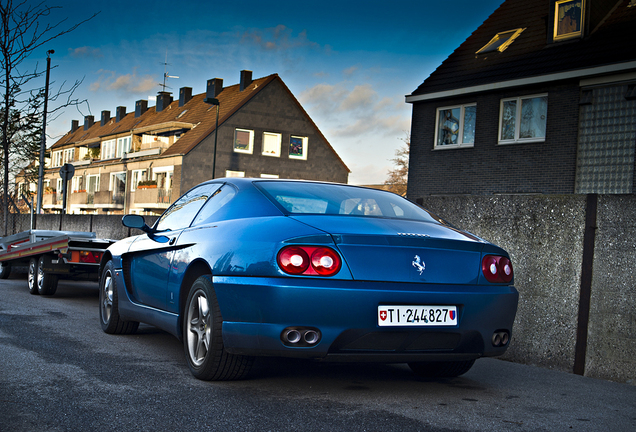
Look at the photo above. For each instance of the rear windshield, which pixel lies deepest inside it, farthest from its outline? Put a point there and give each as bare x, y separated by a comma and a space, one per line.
300, 198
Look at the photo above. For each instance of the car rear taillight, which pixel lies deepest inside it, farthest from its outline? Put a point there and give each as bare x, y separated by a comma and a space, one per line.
497, 269
86, 257
309, 260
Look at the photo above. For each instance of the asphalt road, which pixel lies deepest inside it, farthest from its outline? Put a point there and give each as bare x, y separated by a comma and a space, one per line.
60, 372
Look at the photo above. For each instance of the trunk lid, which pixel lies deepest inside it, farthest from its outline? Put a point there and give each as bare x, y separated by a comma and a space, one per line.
379, 249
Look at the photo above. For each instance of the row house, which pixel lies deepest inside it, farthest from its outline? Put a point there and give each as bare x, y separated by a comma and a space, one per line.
140, 162
540, 99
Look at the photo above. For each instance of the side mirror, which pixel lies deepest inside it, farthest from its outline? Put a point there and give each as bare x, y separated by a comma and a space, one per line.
135, 221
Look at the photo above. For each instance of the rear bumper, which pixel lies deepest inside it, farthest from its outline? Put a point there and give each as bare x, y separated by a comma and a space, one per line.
257, 310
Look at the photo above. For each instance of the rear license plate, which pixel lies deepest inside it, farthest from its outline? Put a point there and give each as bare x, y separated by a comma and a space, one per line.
429, 316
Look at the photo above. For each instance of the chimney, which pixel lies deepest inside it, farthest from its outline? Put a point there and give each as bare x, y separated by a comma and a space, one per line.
74, 125
141, 106
105, 118
215, 86
88, 122
121, 113
246, 79
185, 94
163, 100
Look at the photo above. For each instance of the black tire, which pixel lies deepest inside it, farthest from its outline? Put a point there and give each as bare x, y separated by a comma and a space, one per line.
32, 276
450, 369
202, 338
46, 282
109, 305
5, 270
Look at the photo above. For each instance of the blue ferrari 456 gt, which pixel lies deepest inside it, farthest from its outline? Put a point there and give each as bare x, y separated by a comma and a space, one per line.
238, 268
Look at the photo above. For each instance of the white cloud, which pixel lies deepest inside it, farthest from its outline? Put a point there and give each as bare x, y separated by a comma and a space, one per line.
85, 52
278, 38
125, 83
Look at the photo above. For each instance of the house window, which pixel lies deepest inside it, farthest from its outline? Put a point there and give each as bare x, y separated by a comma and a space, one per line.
124, 145
456, 126
163, 176
108, 149
269, 176
57, 159
93, 184
271, 144
69, 156
523, 119
501, 41
243, 141
77, 184
298, 147
568, 16
138, 176
229, 173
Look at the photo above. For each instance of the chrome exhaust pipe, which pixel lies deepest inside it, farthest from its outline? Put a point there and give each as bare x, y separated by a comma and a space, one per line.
311, 337
292, 336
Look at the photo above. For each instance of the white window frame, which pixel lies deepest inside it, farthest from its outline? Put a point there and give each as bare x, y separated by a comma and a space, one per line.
305, 147
565, 36
274, 137
516, 139
109, 149
75, 184
56, 159
460, 136
124, 146
136, 177
229, 173
69, 156
270, 176
168, 171
112, 177
250, 148
88, 180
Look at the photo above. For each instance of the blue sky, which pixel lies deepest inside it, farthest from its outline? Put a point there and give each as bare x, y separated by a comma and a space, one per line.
350, 63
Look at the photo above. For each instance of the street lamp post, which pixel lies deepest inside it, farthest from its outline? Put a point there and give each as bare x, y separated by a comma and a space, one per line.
214, 101
43, 142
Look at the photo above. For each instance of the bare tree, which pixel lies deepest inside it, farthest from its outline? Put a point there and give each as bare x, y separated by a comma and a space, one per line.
24, 28
398, 177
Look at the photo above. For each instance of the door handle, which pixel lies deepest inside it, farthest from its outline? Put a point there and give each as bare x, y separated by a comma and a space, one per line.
172, 240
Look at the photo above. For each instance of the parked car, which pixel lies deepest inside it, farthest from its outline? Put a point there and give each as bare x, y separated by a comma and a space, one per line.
238, 268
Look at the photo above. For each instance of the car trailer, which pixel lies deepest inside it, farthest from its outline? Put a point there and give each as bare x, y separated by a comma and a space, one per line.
52, 255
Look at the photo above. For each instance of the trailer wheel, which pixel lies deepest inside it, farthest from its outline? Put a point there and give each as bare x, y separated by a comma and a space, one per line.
5, 270
47, 282
33, 276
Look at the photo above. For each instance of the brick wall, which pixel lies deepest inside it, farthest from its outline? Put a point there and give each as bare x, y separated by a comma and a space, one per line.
272, 110
488, 168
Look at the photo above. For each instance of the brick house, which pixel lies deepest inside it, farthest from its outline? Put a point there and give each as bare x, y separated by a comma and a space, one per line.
139, 162
540, 98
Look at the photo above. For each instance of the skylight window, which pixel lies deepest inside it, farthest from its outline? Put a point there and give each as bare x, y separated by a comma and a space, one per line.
501, 41
568, 19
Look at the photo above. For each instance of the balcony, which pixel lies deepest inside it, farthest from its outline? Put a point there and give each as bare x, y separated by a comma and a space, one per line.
151, 198
92, 201
52, 201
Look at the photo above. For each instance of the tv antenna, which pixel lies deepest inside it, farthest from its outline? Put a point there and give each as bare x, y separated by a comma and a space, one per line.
166, 74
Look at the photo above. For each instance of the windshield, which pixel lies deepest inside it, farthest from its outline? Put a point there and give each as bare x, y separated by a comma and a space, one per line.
301, 198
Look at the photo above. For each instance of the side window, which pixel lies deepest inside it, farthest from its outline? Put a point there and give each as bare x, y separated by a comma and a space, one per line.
181, 213
214, 204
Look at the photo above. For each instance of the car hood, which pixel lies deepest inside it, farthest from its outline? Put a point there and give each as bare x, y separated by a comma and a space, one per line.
381, 249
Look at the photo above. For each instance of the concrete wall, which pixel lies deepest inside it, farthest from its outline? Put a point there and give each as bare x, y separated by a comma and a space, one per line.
544, 235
